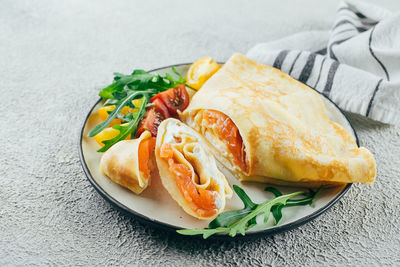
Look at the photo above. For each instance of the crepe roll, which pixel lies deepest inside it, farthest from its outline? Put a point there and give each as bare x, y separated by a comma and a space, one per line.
189, 172
265, 126
130, 163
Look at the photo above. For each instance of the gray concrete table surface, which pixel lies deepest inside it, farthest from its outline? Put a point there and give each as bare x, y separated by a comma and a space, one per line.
53, 57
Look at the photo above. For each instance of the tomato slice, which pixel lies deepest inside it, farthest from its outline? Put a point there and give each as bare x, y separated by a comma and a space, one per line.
150, 122
166, 105
174, 99
160, 106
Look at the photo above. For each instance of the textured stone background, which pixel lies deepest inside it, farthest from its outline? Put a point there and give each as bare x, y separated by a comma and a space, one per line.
54, 54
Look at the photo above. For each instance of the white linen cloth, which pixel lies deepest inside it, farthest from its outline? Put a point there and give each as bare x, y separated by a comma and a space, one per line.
356, 64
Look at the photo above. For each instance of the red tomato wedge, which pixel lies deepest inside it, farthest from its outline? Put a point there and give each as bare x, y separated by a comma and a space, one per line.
160, 106
174, 99
150, 122
166, 105
146, 149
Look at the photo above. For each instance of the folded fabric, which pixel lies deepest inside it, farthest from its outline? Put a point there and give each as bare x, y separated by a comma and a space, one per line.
356, 64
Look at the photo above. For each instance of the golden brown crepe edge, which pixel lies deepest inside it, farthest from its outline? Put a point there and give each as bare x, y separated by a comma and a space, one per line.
120, 164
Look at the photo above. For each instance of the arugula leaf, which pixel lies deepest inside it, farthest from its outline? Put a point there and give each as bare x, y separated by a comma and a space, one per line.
139, 80
277, 209
240, 221
124, 89
227, 218
274, 191
180, 80
277, 212
240, 226
125, 130
109, 91
123, 102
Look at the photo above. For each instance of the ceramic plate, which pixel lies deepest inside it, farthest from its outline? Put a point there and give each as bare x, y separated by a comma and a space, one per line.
156, 207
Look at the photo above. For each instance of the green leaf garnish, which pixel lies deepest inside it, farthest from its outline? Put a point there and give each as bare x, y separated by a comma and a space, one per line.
125, 130
240, 221
227, 218
125, 88
123, 102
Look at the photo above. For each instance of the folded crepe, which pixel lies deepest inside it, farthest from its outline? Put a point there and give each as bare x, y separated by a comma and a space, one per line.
130, 162
189, 172
265, 126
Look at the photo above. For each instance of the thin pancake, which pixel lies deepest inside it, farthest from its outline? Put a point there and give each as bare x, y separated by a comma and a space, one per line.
189, 172
287, 135
121, 164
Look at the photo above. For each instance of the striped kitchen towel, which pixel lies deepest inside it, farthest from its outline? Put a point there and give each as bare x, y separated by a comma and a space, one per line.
356, 64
